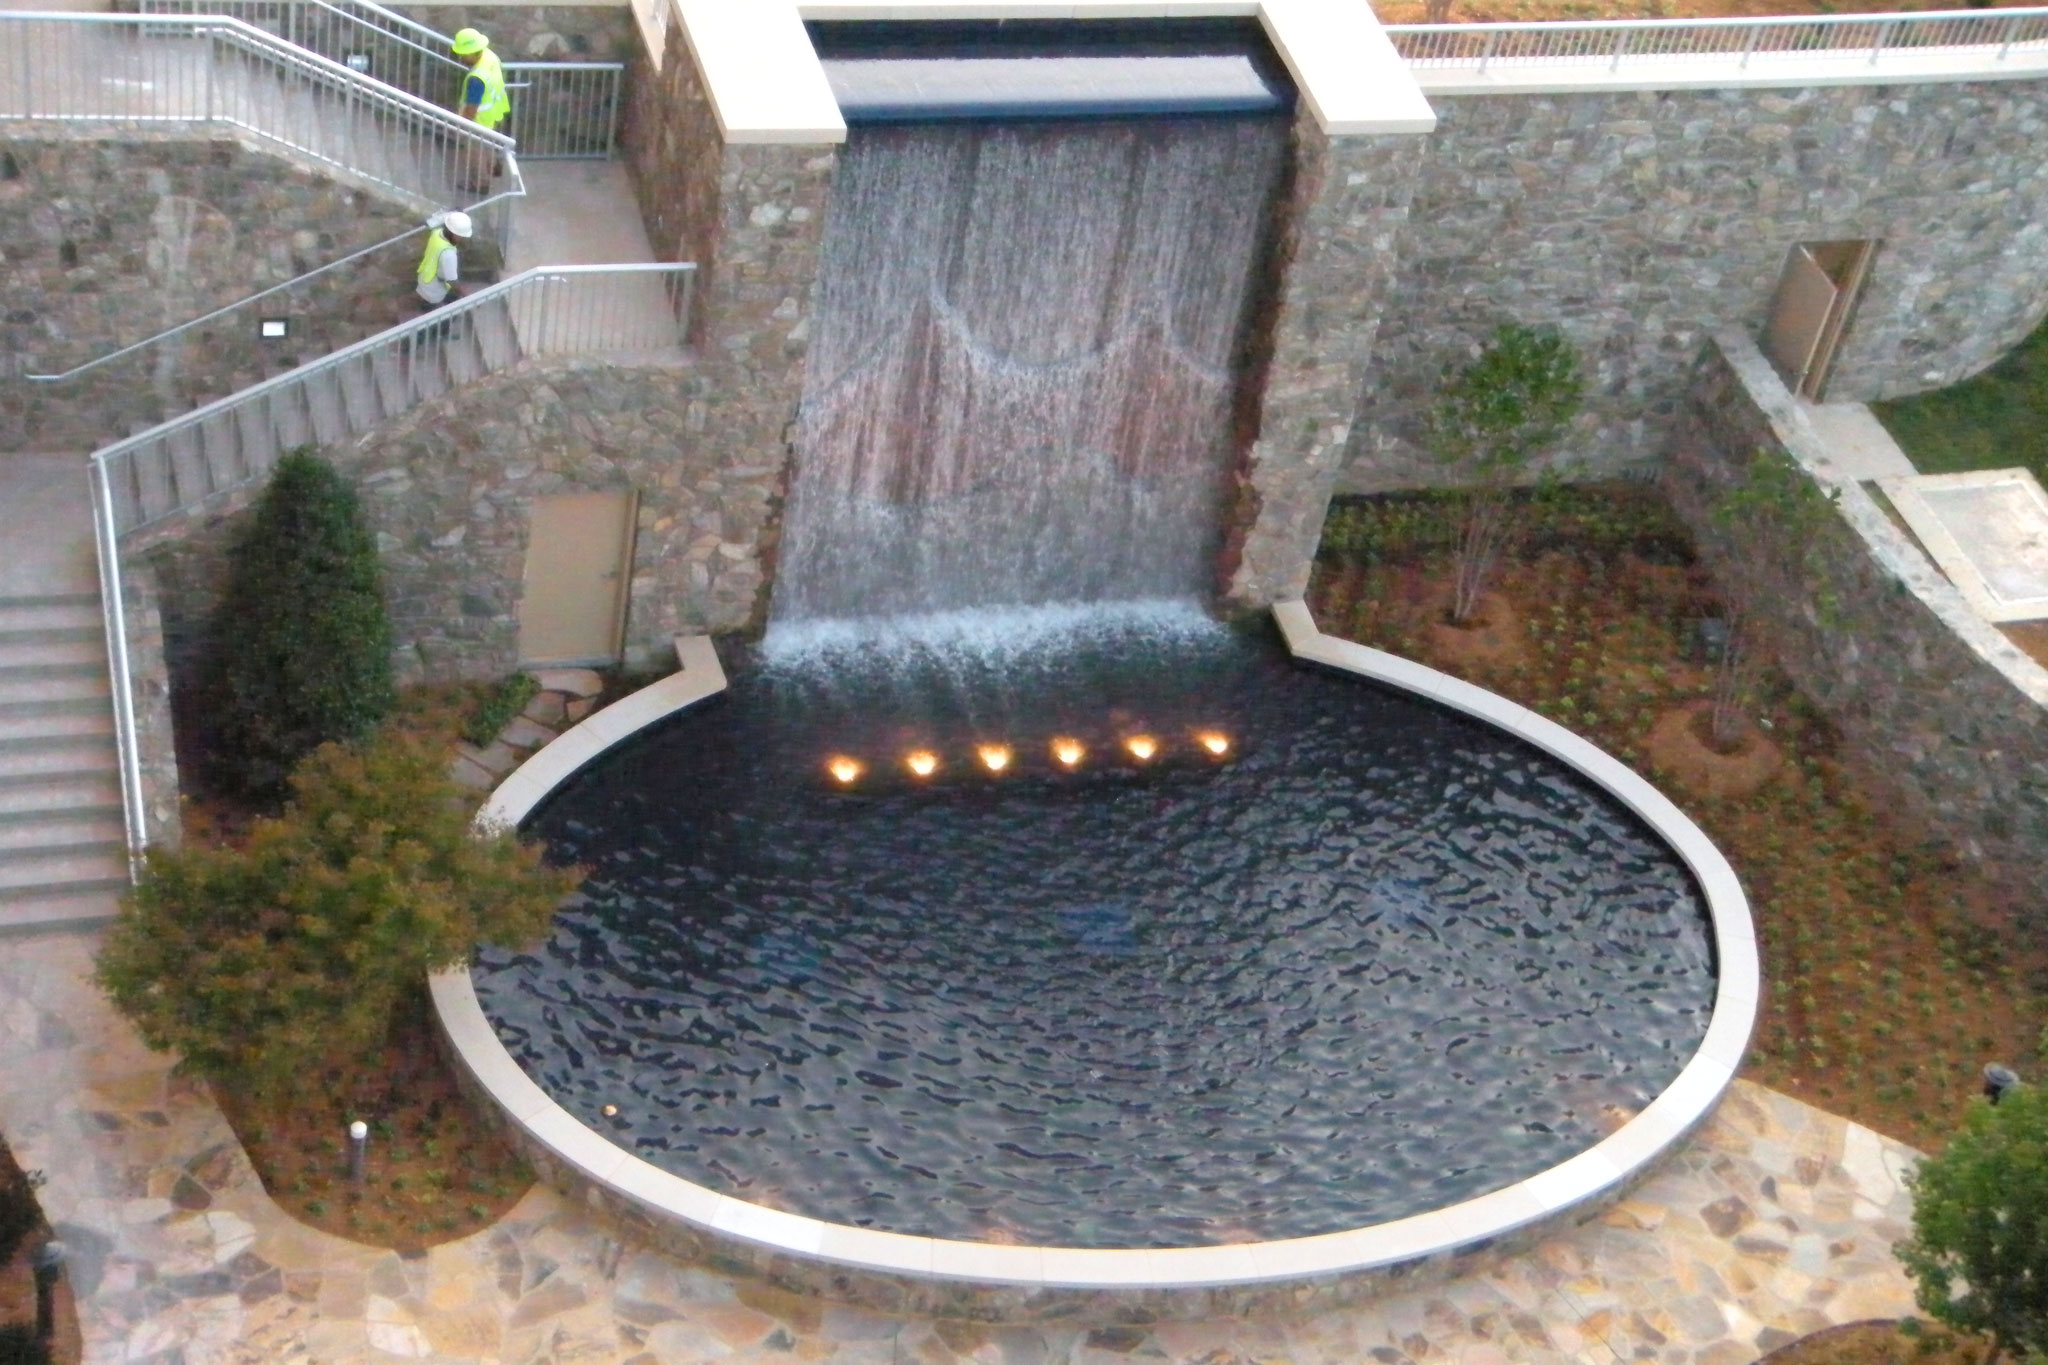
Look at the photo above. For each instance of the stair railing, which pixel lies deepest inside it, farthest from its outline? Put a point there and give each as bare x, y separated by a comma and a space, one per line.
127, 72
559, 109
195, 465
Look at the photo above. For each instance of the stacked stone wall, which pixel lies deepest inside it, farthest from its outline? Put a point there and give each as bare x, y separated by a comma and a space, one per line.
1333, 263
1950, 719
448, 490
1640, 222
105, 243
539, 33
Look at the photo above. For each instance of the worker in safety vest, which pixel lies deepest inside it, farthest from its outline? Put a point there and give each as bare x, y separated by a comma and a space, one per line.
440, 268
482, 100
483, 96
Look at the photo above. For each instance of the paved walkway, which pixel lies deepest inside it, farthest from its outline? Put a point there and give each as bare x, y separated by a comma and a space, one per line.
1777, 1221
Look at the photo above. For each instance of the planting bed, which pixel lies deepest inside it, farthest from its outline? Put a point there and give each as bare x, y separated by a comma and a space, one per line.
1889, 970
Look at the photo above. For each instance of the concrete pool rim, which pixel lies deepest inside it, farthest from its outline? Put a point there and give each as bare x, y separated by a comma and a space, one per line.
888, 1269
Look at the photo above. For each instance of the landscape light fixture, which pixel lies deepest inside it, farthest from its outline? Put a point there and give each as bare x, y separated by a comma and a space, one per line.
272, 328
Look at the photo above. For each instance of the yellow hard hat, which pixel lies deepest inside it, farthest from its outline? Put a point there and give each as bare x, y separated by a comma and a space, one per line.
468, 40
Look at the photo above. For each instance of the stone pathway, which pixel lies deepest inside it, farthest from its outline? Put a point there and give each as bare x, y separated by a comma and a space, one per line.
1776, 1221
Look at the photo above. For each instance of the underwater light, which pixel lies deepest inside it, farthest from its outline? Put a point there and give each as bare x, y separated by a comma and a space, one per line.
923, 762
994, 757
1142, 747
845, 769
1215, 743
1068, 752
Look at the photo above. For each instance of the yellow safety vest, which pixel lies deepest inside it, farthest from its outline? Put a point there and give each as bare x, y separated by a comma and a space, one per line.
496, 103
430, 264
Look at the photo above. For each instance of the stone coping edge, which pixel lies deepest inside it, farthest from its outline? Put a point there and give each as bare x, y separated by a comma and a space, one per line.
766, 84
1601, 1170
1764, 71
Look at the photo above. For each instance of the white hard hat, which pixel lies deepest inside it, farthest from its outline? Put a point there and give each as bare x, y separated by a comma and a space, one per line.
458, 224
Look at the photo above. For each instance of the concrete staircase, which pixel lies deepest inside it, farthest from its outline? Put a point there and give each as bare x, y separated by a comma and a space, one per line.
63, 856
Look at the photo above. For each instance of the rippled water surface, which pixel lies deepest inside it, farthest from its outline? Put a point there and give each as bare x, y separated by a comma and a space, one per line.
1376, 960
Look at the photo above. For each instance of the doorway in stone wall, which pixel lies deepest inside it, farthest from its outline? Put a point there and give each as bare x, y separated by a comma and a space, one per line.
1816, 295
579, 558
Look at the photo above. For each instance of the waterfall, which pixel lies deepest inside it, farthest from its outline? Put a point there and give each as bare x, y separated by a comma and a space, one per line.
1024, 364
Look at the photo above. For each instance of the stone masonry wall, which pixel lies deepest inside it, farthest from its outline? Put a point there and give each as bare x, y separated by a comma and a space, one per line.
539, 33
105, 243
448, 488
1333, 263
1640, 222
1945, 711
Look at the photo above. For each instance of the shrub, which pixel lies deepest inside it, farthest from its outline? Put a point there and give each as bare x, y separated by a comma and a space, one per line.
495, 710
291, 953
301, 645
1979, 1250
1490, 420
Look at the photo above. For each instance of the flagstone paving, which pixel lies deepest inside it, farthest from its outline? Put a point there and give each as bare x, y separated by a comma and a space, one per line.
1776, 1221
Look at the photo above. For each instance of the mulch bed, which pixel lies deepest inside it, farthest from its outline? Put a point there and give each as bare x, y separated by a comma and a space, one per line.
1892, 969
1879, 1343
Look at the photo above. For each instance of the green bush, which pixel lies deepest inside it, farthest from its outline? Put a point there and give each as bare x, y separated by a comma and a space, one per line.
287, 956
495, 710
301, 644
1979, 1250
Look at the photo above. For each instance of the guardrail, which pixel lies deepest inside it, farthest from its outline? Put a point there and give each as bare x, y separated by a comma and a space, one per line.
193, 464
1869, 39
559, 109
135, 71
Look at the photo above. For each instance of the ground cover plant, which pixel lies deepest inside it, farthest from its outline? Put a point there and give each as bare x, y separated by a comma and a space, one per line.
1994, 420
1882, 1343
1889, 981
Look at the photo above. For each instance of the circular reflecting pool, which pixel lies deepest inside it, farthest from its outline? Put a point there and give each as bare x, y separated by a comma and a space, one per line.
1318, 956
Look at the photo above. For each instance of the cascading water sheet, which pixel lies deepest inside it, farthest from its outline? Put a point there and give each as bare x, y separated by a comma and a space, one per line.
1024, 371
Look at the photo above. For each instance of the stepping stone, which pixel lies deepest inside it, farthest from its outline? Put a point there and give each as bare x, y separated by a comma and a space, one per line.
577, 682
547, 708
524, 733
467, 773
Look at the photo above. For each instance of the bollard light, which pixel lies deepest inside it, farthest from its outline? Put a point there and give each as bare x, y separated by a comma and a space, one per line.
358, 1151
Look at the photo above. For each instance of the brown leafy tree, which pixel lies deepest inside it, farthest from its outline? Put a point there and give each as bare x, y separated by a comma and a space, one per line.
288, 956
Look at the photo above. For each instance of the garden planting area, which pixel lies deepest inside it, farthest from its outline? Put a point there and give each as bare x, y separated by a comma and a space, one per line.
1892, 972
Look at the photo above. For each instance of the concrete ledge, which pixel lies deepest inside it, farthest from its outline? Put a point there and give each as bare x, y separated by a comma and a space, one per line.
1012, 1283
767, 85
1763, 71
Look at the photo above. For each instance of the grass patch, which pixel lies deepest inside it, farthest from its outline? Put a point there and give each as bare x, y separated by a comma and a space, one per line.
497, 708
1890, 971
1996, 420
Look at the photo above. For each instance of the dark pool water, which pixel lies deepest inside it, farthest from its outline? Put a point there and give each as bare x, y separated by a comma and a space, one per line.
1379, 960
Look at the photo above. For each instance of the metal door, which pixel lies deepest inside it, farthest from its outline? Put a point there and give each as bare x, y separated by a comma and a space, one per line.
1815, 296
579, 559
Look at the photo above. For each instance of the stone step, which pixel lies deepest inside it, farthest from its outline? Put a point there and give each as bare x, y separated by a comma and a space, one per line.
41, 865
55, 682
53, 831
34, 759
10, 636
71, 611
54, 720
35, 649
61, 905
38, 796
25, 709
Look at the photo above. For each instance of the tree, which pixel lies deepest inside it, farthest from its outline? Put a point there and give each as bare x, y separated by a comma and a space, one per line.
301, 644
1491, 419
1772, 512
1979, 1250
290, 954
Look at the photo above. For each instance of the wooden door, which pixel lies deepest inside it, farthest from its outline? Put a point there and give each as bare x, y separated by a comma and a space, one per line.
579, 558
1811, 309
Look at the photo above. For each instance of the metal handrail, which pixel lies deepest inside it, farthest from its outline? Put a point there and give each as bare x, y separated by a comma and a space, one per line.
252, 37
1628, 42
410, 341
421, 50
170, 334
